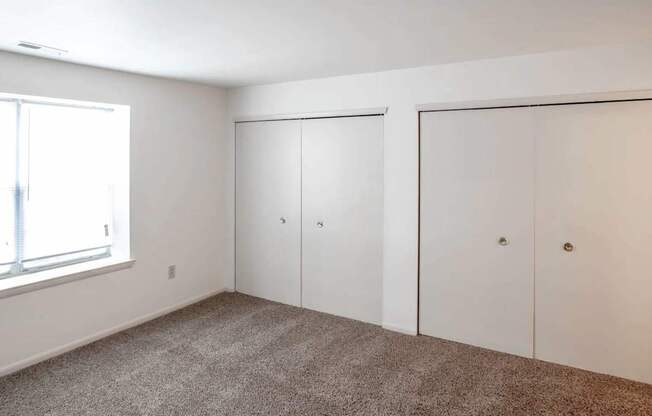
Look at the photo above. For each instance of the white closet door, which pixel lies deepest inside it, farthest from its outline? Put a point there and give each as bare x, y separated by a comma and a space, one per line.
343, 216
268, 210
594, 173
477, 186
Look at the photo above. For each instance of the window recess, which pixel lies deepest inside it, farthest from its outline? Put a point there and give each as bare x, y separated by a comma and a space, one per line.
59, 175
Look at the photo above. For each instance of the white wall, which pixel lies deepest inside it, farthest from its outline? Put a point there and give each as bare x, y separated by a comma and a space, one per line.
182, 174
616, 68
177, 193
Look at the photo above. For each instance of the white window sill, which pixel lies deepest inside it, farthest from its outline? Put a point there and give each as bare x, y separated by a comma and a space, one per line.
12, 286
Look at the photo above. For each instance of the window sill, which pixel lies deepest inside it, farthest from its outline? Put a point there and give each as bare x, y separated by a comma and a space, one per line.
13, 286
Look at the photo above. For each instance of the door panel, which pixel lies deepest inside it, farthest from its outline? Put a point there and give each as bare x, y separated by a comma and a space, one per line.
343, 190
268, 210
477, 185
594, 304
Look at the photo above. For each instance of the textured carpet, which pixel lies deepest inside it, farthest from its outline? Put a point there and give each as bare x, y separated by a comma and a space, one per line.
237, 355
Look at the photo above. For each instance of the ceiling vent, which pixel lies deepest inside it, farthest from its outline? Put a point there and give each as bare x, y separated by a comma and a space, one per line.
28, 45
44, 48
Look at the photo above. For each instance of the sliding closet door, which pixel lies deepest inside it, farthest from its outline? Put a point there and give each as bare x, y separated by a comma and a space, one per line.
343, 216
594, 237
268, 210
476, 228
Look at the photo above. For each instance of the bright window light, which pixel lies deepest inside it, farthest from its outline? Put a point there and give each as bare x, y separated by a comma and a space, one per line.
63, 184
7, 185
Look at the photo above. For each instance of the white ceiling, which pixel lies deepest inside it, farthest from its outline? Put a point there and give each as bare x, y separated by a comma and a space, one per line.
242, 42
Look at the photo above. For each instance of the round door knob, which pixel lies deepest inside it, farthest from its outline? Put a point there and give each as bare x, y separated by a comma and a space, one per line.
503, 241
320, 224
283, 220
568, 247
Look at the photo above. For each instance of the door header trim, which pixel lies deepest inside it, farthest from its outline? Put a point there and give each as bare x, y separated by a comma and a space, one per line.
641, 95
376, 111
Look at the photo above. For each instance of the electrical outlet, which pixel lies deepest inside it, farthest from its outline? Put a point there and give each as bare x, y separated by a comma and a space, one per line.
172, 271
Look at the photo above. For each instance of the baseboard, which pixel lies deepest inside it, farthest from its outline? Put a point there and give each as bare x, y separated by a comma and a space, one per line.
396, 328
12, 368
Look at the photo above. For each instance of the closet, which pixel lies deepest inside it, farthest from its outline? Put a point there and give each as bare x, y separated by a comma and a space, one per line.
268, 210
536, 232
594, 237
477, 228
309, 213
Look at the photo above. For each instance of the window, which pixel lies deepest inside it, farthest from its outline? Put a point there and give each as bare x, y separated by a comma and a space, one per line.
63, 184
7, 185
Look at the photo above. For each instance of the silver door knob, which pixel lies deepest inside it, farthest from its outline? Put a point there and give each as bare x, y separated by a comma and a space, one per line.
568, 247
503, 241
283, 220
320, 224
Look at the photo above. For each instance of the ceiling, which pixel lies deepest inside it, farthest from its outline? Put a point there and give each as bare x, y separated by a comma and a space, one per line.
243, 42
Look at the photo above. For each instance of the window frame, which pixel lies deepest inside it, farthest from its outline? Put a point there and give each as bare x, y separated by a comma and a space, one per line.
105, 255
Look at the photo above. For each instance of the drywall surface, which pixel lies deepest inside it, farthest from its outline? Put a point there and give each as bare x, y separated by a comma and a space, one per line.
614, 68
177, 132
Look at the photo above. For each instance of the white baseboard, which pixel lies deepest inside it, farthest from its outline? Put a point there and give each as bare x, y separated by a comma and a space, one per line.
399, 329
12, 368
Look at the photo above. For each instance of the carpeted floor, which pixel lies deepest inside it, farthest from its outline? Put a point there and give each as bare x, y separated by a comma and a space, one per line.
237, 355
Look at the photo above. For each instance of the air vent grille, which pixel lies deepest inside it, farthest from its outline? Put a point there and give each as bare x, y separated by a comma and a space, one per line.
38, 46
28, 45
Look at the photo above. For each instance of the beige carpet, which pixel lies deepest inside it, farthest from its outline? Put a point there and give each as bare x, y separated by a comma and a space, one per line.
237, 355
